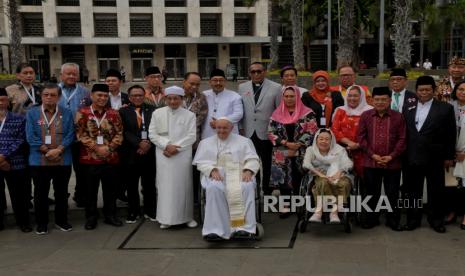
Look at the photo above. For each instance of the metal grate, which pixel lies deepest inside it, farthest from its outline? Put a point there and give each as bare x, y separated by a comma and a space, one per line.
67, 2
141, 25
243, 24
209, 24
106, 25
33, 24
105, 3
176, 25
175, 3
140, 3
209, 3
69, 24
31, 2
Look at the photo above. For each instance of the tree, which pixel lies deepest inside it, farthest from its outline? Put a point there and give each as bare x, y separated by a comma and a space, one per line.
402, 32
274, 29
346, 41
297, 33
14, 18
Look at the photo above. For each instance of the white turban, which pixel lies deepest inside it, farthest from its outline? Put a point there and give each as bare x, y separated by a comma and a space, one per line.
174, 90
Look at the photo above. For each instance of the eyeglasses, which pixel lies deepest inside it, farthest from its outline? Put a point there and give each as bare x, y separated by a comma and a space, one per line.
256, 72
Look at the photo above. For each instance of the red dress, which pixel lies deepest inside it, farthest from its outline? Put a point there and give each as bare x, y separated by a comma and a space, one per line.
345, 126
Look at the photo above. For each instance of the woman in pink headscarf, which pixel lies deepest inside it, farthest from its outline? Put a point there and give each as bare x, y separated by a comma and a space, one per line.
291, 131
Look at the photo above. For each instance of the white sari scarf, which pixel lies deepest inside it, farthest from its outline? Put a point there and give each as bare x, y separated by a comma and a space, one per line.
362, 106
331, 159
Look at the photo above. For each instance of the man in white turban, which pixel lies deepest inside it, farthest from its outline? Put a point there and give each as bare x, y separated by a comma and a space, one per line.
173, 131
228, 163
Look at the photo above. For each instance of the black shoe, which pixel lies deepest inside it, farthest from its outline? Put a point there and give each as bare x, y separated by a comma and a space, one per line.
439, 228
132, 218
411, 226
41, 230
65, 227
91, 224
25, 228
212, 237
114, 221
395, 226
241, 234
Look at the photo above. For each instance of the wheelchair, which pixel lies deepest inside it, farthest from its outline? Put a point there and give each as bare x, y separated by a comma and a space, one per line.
259, 195
304, 215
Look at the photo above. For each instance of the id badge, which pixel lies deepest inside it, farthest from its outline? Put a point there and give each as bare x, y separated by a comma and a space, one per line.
100, 140
48, 139
323, 121
143, 135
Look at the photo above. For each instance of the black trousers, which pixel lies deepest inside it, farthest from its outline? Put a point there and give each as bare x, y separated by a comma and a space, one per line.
143, 170
296, 179
373, 179
80, 188
59, 177
435, 183
94, 174
17, 181
264, 150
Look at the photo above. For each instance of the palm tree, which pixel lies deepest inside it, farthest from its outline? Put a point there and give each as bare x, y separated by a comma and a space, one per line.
14, 18
346, 41
402, 32
297, 33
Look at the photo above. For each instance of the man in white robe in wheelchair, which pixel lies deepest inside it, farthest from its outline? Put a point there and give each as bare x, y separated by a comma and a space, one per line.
228, 163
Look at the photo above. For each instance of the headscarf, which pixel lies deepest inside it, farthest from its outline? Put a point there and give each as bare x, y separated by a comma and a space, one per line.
334, 153
282, 114
362, 105
323, 97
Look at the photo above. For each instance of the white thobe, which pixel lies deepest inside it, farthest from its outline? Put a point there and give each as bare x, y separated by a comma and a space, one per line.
213, 153
174, 174
224, 104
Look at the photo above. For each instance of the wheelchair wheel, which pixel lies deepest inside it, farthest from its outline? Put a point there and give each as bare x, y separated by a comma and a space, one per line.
347, 222
260, 232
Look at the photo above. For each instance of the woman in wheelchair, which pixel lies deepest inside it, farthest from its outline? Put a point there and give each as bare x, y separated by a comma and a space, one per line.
329, 163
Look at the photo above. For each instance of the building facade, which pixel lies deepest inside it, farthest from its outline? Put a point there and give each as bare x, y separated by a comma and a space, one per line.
178, 35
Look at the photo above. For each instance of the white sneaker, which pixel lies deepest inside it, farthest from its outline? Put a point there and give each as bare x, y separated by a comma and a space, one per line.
192, 224
316, 217
164, 226
334, 218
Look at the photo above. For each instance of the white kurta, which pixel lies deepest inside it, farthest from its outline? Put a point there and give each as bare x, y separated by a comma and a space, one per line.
224, 104
213, 153
174, 174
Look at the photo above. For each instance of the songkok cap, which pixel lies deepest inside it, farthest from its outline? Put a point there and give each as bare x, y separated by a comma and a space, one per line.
174, 90
113, 73
152, 70
398, 72
217, 73
457, 61
3, 92
381, 90
425, 80
100, 87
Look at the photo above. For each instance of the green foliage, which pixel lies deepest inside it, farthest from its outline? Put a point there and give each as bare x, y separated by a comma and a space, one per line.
7, 77
411, 75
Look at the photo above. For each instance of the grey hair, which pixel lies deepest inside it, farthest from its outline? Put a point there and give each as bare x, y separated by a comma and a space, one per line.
69, 64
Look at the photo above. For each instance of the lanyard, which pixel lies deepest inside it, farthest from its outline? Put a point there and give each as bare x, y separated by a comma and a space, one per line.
97, 121
47, 122
31, 95
68, 99
3, 124
141, 116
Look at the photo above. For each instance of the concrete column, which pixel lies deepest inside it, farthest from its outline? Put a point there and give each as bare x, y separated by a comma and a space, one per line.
56, 59
255, 52
6, 58
87, 19
159, 56
192, 58
223, 56
50, 18
261, 18
193, 18
227, 18
122, 14
91, 61
159, 23
125, 60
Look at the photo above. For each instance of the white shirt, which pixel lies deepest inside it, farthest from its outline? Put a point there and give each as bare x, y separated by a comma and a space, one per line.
422, 113
401, 100
427, 65
224, 104
116, 101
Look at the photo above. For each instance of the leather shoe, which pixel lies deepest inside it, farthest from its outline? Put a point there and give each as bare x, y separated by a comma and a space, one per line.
439, 228
25, 228
114, 221
91, 224
212, 237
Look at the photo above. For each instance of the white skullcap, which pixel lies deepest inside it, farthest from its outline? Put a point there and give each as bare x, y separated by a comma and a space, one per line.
174, 90
226, 119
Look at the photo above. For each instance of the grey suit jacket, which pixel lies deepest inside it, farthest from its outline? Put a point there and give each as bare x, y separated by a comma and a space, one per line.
257, 116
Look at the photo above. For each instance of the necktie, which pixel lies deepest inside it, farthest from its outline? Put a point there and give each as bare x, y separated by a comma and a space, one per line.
257, 91
396, 98
139, 117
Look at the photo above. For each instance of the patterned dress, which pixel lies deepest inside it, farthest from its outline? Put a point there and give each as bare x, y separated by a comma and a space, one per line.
286, 171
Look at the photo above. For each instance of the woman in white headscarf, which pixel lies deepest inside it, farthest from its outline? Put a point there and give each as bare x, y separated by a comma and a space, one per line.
329, 164
345, 123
